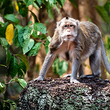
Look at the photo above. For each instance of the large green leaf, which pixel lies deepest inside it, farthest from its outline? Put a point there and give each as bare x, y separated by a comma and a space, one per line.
103, 13
11, 18
20, 36
21, 69
40, 27
4, 43
26, 34
13, 67
22, 82
27, 45
35, 49
24, 59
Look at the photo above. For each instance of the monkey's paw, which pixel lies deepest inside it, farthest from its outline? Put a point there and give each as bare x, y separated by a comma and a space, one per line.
39, 78
67, 75
72, 80
87, 76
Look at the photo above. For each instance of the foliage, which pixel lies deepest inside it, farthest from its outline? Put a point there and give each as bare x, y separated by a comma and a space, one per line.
26, 39
60, 67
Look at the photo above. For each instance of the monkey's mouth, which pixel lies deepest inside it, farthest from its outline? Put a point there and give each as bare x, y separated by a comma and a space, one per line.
69, 36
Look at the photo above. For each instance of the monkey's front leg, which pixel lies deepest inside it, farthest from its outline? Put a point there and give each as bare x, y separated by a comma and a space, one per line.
47, 63
75, 68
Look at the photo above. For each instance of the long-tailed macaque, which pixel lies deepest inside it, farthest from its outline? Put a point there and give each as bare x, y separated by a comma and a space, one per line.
75, 41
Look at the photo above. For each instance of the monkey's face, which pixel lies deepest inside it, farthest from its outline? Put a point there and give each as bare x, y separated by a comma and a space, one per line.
67, 28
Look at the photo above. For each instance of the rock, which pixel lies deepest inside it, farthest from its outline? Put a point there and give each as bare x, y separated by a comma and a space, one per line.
60, 94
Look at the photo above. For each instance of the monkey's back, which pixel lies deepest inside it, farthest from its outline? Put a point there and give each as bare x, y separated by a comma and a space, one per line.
90, 31
91, 36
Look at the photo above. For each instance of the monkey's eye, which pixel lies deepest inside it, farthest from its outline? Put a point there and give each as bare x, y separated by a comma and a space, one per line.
65, 26
71, 25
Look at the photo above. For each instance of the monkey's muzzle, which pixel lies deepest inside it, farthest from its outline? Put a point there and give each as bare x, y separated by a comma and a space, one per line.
69, 36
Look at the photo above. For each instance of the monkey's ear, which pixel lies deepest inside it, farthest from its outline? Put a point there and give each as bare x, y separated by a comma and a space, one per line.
55, 41
77, 28
58, 24
77, 23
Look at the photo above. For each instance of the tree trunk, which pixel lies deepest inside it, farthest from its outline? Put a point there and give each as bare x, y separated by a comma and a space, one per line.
60, 94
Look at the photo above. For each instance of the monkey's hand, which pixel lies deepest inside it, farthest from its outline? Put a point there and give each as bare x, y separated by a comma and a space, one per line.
39, 78
72, 80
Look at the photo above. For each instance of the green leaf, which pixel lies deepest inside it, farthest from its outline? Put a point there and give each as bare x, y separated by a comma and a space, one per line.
24, 59
38, 2
21, 69
26, 34
19, 27
23, 10
46, 46
103, 13
15, 40
42, 36
40, 27
107, 6
2, 87
47, 43
49, 8
2, 24
3, 65
35, 49
13, 67
29, 23
28, 2
74, 3
61, 2
3, 29
8, 57
49, 38
11, 18
27, 45
60, 67
20, 36
35, 5
4, 43
13, 105
22, 82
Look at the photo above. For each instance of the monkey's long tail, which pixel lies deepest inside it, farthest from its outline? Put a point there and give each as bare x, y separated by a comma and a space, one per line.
104, 57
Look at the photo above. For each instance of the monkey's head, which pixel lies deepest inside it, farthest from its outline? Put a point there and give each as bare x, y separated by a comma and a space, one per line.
68, 28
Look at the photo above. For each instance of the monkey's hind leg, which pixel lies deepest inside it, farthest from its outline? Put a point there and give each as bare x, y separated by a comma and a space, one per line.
95, 63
